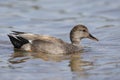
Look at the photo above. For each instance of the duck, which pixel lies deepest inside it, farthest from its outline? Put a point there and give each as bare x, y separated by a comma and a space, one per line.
51, 45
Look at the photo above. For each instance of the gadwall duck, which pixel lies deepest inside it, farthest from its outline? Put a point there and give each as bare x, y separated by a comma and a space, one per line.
47, 44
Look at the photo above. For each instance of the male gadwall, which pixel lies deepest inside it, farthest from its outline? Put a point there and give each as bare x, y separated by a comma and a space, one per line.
48, 44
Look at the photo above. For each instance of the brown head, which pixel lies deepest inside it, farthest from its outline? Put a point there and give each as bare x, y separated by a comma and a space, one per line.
79, 32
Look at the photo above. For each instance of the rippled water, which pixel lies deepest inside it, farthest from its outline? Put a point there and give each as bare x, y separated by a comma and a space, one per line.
100, 60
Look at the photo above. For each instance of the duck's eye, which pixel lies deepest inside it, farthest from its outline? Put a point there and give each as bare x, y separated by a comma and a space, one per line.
84, 30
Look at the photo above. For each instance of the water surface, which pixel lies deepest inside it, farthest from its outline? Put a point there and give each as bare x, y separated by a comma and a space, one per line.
100, 60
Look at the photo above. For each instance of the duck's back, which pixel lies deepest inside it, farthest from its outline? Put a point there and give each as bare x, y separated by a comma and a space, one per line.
52, 45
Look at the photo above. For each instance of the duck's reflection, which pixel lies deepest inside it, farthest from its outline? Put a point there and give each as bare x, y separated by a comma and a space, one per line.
19, 57
76, 63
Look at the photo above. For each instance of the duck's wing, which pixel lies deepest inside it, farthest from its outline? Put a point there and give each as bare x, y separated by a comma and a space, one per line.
20, 38
18, 32
17, 40
31, 37
28, 36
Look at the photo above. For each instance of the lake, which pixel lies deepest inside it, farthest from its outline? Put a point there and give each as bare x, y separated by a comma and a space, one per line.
99, 60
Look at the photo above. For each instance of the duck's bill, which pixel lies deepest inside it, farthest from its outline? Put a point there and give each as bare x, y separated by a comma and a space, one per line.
92, 37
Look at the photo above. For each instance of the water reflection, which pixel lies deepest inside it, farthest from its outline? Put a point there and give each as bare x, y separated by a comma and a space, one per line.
19, 57
76, 63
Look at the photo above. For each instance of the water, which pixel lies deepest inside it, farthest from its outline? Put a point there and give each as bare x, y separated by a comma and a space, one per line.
100, 60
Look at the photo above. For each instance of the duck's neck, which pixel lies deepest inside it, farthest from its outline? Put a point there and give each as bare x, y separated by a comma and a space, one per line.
75, 37
76, 43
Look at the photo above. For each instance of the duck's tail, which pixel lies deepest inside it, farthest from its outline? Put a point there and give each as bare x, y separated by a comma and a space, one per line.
17, 40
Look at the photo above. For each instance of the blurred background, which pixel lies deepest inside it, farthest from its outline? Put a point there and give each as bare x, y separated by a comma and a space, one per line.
100, 60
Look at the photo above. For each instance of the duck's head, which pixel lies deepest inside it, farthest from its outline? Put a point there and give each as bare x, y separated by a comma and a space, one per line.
79, 32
